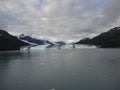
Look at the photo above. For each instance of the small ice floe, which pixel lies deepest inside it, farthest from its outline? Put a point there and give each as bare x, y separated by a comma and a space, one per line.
30, 77
42, 63
19, 82
52, 89
90, 68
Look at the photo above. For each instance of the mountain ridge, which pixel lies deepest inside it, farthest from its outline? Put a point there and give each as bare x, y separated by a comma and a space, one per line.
109, 39
9, 42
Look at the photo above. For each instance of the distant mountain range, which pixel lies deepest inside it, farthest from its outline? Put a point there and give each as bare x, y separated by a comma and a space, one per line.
9, 42
32, 40
60, 43
109, 39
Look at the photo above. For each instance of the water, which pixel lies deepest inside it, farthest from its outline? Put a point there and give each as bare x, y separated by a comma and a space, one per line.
68, 69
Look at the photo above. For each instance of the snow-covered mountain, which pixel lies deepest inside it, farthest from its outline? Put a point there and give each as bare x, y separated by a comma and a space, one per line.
32, 40
35, 41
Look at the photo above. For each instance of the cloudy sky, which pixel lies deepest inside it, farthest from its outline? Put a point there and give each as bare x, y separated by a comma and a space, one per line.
67, 20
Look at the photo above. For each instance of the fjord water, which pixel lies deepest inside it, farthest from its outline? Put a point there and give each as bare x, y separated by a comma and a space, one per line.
68, 69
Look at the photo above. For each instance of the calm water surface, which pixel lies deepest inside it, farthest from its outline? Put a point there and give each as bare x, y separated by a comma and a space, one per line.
70, 69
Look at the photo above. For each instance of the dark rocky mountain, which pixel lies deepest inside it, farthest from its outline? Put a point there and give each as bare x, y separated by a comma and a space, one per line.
34, 40
60, 43
84, 41
109, 39
9, 42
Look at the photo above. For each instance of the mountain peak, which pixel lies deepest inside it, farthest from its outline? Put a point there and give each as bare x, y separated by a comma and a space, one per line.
9, 42
109, 39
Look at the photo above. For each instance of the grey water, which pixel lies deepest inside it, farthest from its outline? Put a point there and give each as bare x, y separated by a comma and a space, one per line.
68, 69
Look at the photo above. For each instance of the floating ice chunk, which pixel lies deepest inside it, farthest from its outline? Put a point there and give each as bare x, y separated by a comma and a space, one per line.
42, 63
52, 89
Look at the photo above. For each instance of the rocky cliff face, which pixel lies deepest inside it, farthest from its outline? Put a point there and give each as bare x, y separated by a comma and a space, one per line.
9, 42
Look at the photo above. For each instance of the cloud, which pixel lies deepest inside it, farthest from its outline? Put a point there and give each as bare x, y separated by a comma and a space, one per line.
59, 19
111, 11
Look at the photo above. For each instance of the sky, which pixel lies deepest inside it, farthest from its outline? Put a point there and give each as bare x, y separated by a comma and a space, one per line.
59, 20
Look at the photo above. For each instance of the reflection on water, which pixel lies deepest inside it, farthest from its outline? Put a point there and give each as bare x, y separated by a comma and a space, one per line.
71, 69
